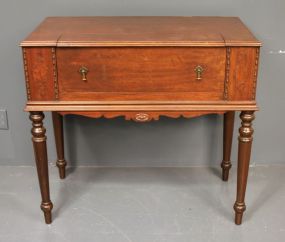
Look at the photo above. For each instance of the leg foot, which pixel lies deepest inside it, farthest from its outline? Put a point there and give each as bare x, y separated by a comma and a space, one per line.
40, 150
59, 141
239, 209
226, 166
61, 164
46, 208
227, 144
244, 150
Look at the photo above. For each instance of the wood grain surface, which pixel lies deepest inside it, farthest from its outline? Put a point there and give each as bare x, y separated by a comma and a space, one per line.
141, 31
141, 68
143, 71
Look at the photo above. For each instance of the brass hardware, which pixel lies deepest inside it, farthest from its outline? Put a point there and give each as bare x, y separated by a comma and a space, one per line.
199, 70
83, 71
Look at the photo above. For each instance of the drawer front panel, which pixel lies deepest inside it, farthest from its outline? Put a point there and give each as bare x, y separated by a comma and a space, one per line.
141, 73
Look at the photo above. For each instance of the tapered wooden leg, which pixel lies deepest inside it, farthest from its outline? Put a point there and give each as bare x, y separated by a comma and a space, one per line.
227, 145
59, 141
244, 150
40, 150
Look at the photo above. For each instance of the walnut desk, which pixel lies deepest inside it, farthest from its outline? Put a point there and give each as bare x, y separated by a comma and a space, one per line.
141, 68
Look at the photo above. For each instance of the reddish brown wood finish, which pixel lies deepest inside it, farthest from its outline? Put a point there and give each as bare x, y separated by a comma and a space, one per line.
229, 118
154, 105
116, 71
244, 150
140, 116
141, 31
243, 74
40, 73
141, 68
59, 141
140, 80
40, 149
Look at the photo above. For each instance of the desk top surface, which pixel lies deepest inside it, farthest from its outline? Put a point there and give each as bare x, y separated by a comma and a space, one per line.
141, 31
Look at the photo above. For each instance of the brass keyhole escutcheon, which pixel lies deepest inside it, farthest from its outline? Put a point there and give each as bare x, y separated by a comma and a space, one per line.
83, 71
199, 70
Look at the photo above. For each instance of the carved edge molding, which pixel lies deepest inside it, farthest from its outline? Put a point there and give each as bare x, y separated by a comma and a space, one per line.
54, 66
141, 116
228, 56
255, 73
26, 74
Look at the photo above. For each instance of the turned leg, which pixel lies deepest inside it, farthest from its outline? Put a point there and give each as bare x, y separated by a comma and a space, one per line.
244, 149
58, 134
40, 150
227, 143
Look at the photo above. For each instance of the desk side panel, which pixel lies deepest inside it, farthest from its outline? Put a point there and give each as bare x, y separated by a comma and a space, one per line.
242, 76
40, 73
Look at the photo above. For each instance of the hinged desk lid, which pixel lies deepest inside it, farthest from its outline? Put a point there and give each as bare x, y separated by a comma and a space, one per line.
141, 31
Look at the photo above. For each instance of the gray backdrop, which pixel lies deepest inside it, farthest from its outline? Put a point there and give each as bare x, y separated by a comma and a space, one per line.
166, 142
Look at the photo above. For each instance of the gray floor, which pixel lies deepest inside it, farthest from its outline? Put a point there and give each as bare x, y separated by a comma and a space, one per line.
142, 205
